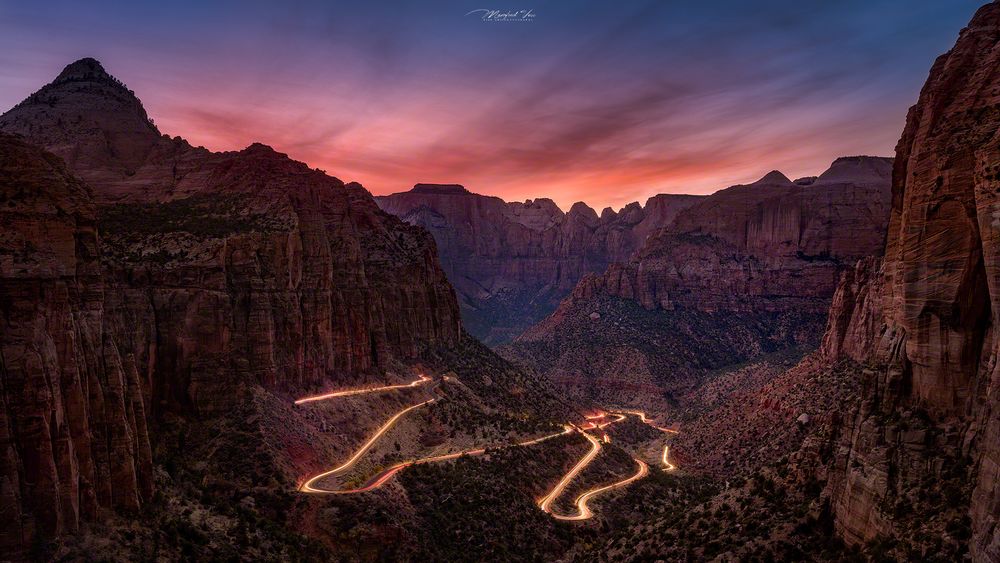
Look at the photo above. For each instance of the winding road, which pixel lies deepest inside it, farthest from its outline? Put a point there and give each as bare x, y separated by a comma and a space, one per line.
583, 511
308, 487
421, 380
545, 503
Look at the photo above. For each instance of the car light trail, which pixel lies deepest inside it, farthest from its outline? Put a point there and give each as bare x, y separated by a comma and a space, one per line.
595, 446
421, 380
642, 417
307, 487
584, 512
666, 462
386, 475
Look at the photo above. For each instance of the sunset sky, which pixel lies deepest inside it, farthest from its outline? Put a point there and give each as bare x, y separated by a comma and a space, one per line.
605, 102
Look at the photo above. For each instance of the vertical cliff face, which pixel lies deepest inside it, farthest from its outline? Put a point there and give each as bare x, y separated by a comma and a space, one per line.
511, 263
171, 284
745, 271
278, 274
931, 399
73, 436
766, 246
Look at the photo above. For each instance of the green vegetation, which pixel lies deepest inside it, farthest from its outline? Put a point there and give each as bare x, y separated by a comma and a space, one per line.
204, 216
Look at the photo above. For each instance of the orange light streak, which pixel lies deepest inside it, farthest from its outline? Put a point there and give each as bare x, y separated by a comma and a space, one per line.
421, 380
584, 512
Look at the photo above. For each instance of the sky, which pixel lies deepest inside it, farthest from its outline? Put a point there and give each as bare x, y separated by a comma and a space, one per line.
578, 100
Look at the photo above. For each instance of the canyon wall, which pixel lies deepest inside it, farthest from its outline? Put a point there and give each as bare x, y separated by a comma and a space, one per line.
746, 271
511, 263
73, 437
767, 246
171, 281
924, 321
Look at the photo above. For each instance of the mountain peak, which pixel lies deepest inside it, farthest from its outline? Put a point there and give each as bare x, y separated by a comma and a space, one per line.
858, 170
773, 178
86, 68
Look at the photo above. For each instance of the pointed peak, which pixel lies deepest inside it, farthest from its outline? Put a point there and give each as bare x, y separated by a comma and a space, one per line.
773, 178
83, 69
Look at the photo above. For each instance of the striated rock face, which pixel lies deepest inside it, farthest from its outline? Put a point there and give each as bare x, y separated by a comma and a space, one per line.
767, 246
933, 350
73, 436
746, 271
511, 263
214, 272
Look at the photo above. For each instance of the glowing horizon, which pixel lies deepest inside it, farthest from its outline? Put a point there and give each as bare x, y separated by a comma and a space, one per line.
587, 102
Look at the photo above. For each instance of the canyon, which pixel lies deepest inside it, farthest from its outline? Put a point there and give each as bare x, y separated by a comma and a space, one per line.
511, 263
746, 271
233, 355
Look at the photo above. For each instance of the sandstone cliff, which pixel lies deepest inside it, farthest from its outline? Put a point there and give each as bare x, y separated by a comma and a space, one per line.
196, 276
73, 436
745, 271
770, 245
928, 424
511, 263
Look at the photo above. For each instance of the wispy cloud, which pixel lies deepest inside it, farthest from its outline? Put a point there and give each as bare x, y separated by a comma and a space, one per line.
607, 103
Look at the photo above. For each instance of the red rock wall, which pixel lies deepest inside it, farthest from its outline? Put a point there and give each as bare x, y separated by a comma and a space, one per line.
512, 262
769, 246
73, 436
196, 276
327, 289
935, 349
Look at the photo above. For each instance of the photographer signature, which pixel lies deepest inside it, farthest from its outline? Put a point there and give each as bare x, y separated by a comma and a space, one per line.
488, 15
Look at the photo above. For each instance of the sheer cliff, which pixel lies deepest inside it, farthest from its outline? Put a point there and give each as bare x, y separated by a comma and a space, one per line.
925, 321
511, 263
145, 278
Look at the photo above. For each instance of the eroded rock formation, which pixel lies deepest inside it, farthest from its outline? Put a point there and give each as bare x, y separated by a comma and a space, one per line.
511, 263
746, 271
766, 246
194, 276
73, 436
925, 322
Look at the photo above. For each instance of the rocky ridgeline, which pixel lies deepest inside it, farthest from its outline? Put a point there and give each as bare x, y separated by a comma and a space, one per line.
511, 263
180, 280
746, 271
772, 245
924, 320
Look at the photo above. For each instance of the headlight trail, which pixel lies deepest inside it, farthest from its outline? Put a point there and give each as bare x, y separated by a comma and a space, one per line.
667, 466
421, 380
584, 512
642, 417
307, 487
386, 475
595, 446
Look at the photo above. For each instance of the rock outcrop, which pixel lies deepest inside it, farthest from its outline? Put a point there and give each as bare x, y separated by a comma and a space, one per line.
925, 323
195, 276
511, 263
767, 246
745, 271
73, 437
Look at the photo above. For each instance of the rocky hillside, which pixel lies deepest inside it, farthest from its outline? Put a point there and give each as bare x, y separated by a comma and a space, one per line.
182, 280
928, 429
746, 271
511, 263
